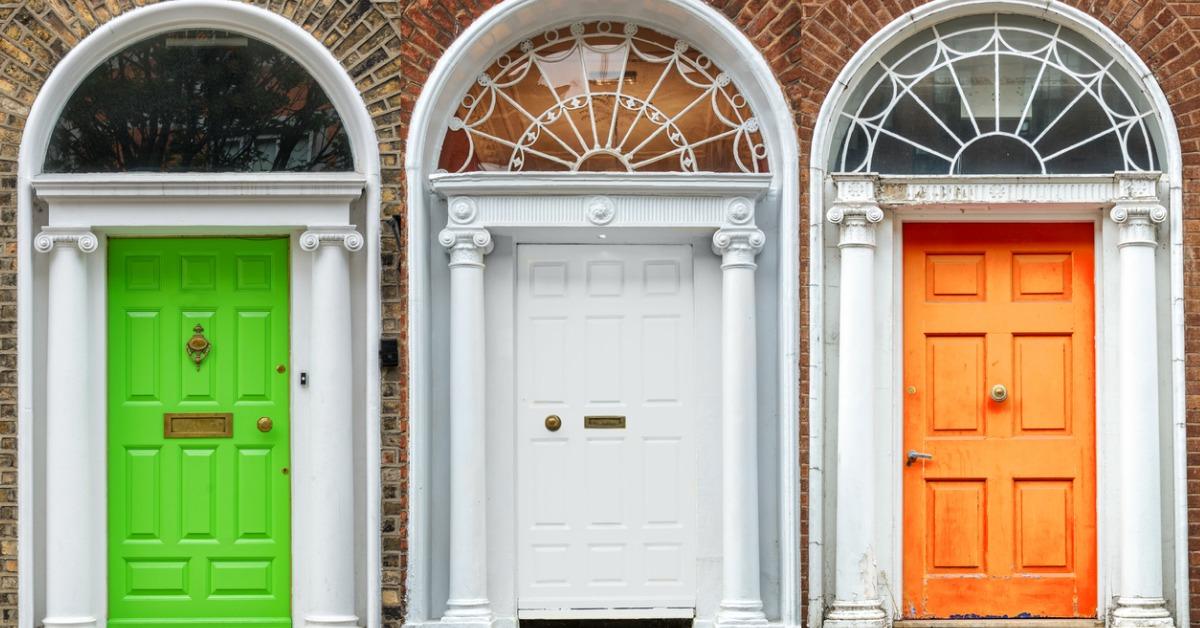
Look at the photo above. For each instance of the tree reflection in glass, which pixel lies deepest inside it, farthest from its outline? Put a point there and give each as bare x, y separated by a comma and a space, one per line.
199, 101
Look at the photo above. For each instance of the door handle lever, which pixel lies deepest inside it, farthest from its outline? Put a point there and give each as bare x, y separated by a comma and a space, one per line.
914, 455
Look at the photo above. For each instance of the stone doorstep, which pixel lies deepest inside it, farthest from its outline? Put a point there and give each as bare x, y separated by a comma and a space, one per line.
999, 623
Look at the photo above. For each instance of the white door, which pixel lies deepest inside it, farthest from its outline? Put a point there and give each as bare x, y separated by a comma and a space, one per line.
607, 502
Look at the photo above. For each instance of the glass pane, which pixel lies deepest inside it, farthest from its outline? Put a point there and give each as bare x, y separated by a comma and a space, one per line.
199, 101
604, 96
996, 94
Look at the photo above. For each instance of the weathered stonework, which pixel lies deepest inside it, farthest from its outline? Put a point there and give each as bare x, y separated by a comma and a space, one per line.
389, 47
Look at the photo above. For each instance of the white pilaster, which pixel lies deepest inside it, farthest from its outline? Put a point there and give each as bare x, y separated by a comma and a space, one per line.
1139, 590
739, 242
467, 243
857, 603
330, 473
69, 552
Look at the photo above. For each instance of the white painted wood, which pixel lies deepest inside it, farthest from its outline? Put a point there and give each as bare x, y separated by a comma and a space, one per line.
607, 614
331, 437
468, 604
212, 218
857, 602
978, 206
1139, 601
69, 500
738, 243
606, 517
493, 33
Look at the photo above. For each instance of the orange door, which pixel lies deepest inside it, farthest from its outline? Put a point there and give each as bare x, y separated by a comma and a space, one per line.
1001, 522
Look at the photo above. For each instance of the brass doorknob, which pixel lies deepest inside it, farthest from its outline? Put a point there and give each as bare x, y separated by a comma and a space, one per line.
265, 424
553, 422
999, 393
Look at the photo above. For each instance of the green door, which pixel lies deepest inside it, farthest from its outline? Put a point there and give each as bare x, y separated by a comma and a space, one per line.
198, 492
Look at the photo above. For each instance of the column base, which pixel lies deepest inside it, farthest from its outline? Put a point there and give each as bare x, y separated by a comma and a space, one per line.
331, 621
476, 613
1141, 612
864, 614
69, 622
740, 613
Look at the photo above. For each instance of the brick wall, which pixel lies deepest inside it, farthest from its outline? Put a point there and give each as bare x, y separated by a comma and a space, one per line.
389, 47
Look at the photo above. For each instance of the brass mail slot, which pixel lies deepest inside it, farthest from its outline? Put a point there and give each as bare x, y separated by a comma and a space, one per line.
198, 425
604, 422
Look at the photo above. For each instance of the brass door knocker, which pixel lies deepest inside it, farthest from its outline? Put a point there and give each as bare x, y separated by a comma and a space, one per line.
198, 346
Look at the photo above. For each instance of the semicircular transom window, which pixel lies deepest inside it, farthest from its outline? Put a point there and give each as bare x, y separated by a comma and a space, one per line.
996, 94
199, 101
604, 96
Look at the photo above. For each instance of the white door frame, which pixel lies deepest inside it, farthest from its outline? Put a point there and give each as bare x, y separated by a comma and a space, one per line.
981, 193
714, 211
237, 201
493, 33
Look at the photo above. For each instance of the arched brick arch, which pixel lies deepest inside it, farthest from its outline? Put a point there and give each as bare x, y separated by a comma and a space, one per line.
389, 47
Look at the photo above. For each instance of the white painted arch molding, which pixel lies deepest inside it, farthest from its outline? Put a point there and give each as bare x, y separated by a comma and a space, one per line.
108, 39
497, 31
939, 193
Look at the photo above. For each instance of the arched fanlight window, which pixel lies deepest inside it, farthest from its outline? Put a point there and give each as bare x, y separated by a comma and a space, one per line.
199, 101
604, 96
996, 94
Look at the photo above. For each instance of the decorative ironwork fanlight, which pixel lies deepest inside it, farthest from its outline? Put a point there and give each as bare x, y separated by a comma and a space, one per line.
604, 96
996, 94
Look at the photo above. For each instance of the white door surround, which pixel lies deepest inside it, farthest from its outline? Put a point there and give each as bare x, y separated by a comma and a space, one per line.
609, 209
55, 212
492, 34
1123, 208
607, 492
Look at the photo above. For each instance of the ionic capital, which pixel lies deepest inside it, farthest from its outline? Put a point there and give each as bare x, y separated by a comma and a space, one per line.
467, 245
855, 209
51, 237
1137, 209
739, 241
345, 236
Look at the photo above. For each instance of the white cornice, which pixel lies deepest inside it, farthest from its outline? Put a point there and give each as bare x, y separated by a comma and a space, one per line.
751, 186
107, 187
900, 191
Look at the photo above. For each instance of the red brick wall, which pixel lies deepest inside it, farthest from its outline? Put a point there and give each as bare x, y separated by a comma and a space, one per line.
389, 47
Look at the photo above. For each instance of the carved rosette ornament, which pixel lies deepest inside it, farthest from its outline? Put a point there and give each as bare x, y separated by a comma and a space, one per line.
739, 241
1137, 209
52, 237
856, 210
346, 236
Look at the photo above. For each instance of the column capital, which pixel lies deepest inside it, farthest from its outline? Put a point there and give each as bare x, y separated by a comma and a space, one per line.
1137, 208
345, 235
51, 237
739, 240
855, 209
467, 245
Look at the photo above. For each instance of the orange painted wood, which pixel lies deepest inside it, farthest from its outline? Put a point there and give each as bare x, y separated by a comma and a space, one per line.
1002, 521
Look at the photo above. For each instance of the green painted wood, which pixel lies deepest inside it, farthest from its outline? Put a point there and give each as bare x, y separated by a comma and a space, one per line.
199, 530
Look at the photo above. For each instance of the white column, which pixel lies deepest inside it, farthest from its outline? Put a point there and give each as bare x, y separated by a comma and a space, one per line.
1139, 590
468, 603
738, 242
69, 449
857, 602
330, 472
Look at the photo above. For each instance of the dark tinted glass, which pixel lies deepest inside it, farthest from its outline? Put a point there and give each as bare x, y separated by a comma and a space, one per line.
199, 101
